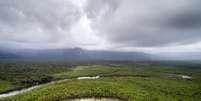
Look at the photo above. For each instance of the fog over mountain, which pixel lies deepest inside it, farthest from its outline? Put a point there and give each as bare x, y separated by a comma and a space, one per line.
169, 29
74, 54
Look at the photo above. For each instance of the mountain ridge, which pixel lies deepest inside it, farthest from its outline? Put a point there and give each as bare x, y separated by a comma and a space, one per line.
78, 54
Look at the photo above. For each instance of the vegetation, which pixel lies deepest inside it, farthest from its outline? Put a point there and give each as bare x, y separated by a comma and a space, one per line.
143, 81
19, 75
5, 85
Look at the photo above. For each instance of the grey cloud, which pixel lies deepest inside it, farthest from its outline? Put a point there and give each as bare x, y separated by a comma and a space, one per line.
36, 21
187, 20
99, 23
94, 8
147, 23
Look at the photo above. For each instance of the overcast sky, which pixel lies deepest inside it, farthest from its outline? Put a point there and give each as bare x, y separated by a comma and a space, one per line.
123, 25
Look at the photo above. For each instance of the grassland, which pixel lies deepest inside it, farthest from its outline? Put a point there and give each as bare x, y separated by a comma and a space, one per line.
126, 81
5, 85
19, 75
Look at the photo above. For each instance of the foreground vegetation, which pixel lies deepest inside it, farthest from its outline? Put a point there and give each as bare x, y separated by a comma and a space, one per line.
24, 74
127, 81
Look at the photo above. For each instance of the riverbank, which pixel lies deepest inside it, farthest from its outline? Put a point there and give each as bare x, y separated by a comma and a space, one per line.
126, 82
27, 89
125, 88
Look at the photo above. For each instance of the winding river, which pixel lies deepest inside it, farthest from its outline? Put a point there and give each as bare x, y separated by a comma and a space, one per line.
13, 93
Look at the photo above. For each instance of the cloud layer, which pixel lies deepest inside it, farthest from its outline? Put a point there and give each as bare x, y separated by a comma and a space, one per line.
147, 23
40, 24
100, 24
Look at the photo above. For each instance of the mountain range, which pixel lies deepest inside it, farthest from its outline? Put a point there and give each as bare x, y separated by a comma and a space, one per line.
83, 54
73, 54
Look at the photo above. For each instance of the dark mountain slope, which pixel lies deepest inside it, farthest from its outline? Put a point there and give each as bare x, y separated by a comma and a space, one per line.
77, 54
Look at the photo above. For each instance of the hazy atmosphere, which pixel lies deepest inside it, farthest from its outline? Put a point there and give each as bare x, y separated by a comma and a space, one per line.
118, 25
100, 50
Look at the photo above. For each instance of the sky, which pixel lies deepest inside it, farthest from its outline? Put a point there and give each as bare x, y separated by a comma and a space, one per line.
119, 25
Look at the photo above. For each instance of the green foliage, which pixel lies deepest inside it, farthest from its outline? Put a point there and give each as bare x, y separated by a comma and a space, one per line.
5, 85
126, 88
18, 75
87, 71
127, 81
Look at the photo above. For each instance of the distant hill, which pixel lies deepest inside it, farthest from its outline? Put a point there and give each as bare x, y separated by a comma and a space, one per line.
82, 54
76, 54
182, 56
7, 55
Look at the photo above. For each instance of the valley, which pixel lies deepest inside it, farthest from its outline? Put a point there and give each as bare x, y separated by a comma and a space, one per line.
127, 81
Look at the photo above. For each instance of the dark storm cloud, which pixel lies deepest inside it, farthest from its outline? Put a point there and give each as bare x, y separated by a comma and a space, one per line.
100, 24
146, 22
36, 21
190, 19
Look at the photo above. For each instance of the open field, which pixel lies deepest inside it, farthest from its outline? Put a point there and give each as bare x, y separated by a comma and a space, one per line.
141, 81
5, 85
